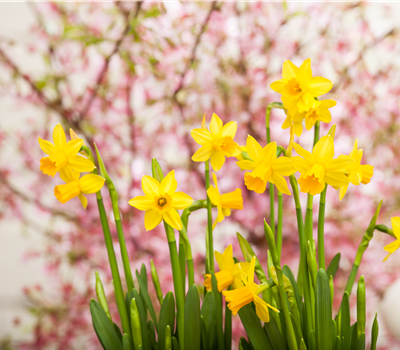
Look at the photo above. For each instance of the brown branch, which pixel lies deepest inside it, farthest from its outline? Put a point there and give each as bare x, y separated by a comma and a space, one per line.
104, 69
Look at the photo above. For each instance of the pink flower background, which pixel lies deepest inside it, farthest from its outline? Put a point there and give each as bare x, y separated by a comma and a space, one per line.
135, 79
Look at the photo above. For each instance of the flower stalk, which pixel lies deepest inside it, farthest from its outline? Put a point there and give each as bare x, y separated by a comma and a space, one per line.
209, 240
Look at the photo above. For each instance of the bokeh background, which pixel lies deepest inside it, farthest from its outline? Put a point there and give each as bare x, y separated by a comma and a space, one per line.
135, 78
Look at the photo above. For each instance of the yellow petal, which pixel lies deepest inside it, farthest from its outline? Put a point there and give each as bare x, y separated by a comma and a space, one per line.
216, 125
319, 86
214, 176
213, 194
46, 146
261, 309
308, 157
66, 192
392, 247
396, 226
73, 134
367, 172
229, 129
72, 147
268, 153
201, 136
284, 166
83, 200
343, 191
91, 183
59, 137
298, 129
203, 153
250, 272
327, 104
68, 175
169, 184
339, 164
324, 151
181, 200
304, 72
150, 186
355, 177
47, 166
81, 164
228, 258
246, 165
152, 218
289, 70
217, 160
253, 148
300, 164
173, 219
220, 260
255, 184
278, 85
336, 179
142, 202
280, 183
207, 282
232, 200
325, 116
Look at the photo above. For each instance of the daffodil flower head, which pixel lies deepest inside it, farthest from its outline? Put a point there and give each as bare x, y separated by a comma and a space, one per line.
356, 173
266, 167
229, 274
319, 168
216, 143
242, 296
77, 187
161, 201
63, 155
224, 202
298, 87
392, 247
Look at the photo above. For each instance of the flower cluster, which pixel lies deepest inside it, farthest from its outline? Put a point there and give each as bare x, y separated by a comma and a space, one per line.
66, 158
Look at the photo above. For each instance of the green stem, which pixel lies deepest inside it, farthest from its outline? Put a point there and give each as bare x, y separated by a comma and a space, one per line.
267, 117
209, 240
272, 206
280, 225
176, 275
321, 224
309, 219
119, 294
303, 255
183, 237
316, 132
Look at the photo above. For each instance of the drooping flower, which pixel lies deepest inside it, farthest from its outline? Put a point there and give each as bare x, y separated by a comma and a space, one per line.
229, 272
217, 143
298, 87
242, 296
63, 155
319, 167
266, 167
224, 202
319, 111
77, 187
161, 201
357, 173
392, 247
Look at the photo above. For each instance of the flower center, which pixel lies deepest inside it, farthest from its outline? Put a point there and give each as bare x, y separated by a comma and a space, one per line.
293, 87
161, 201
313, 115
226, 145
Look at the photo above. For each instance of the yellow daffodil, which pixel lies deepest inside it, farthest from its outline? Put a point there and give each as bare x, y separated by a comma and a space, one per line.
217, 143
266, 167
242, 296
238, 152
356, 173
319, 111
229, 272
298, 87
320, 168
392, 247
224, 202
77, 187
161, 202
63, 155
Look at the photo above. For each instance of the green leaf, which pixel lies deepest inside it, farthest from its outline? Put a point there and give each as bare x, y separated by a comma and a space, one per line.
104, 328
374, 333
143, 274
361, 307
175, 344
127, 342
118, 331
361, 342
168, 340
353, 330
244, 345
333, 266
312, 345
345, 330
152, 335
203, 334
192, 319
143, 318
167, 318
228, 328
145, 294
274, 335
252, 326
218, 312
248, 254
303, 345
323, 312
338, 343
209, 316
